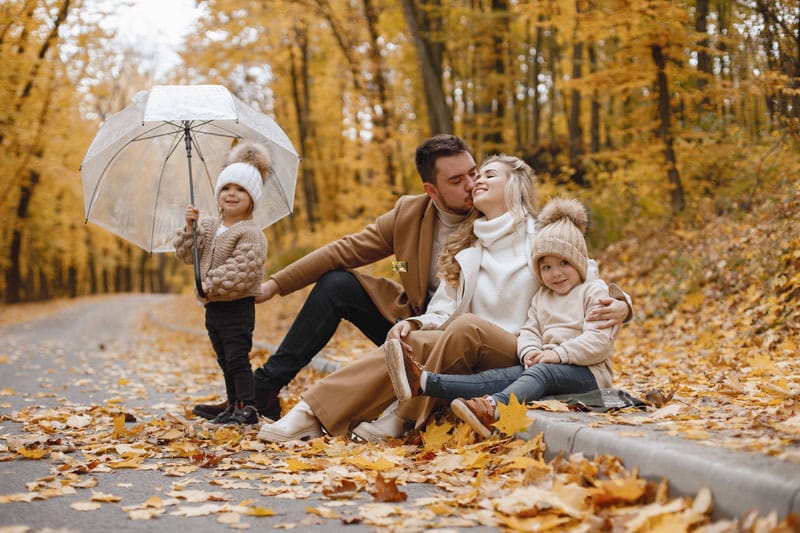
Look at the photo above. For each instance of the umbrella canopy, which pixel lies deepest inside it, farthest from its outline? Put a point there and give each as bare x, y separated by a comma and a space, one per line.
165, 150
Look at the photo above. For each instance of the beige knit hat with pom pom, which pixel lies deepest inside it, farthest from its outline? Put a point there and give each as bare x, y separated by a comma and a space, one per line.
248, 165
561, 226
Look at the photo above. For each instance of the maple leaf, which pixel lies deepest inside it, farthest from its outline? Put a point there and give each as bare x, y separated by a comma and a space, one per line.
386, 490
183, 448
32, 453
79, 421
86, 506
381, 465
206, 460
475, 459
324, 512
513, 417
545, 522
549, 405
613, 491
436, 435
119, 426
341, 489
463, 435
296, 465
106, 498
255, 510
523, 462
227, 436
154, 502
144, 514
133, 462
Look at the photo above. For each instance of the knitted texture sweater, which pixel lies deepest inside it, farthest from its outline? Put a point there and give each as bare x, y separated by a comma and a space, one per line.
231, 263
558, 322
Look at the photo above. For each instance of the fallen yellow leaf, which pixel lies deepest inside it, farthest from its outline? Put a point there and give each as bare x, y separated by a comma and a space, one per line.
86, 506
513, 417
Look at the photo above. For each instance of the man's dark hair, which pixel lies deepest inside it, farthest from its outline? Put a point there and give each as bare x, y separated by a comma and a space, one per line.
442, 145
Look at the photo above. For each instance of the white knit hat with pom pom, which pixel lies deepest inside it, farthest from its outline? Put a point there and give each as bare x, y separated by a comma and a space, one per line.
248, 165
561, 226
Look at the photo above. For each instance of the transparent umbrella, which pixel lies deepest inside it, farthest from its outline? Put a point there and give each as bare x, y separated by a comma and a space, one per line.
165, 150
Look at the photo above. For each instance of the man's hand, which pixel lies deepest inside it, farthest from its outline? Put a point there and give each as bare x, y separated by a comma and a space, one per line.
612, 313
268, 289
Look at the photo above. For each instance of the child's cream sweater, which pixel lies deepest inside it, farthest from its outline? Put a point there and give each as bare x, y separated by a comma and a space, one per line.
231, 263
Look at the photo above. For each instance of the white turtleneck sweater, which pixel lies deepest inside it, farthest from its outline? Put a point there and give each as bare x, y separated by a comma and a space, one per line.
496, 282
505, 286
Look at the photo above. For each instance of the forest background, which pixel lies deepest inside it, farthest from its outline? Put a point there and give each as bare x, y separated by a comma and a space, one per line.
667, 118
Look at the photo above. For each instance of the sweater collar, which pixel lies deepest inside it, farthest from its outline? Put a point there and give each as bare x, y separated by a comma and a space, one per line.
489, 231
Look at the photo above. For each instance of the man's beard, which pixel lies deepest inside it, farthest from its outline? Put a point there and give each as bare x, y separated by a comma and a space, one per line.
457, 210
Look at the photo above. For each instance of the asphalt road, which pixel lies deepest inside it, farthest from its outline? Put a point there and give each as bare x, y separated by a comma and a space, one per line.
63, 360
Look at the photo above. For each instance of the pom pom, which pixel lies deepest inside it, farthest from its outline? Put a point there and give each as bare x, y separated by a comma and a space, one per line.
564, 208
252, 154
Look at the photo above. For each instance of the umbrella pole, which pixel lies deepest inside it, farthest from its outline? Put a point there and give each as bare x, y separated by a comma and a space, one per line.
187, 137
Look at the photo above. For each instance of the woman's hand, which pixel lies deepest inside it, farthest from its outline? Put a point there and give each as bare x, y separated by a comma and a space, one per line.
400, 330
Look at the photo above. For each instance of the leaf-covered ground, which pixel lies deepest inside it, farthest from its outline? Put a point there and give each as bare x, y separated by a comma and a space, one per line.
502, 482
716, 331
718, 322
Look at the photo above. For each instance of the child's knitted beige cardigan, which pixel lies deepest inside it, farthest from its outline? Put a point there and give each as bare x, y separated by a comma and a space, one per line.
232, 263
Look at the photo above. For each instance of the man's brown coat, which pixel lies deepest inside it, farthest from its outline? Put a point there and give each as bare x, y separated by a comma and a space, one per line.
406, 232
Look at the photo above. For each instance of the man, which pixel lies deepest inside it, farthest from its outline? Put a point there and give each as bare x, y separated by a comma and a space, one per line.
414, 232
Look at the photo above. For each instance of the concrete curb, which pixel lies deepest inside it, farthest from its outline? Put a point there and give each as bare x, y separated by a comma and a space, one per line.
739, 481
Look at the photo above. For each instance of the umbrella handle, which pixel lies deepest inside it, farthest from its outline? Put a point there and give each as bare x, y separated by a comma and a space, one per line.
187, 137
197, 283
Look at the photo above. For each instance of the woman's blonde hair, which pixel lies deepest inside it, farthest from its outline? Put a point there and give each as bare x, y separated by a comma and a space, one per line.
520, 198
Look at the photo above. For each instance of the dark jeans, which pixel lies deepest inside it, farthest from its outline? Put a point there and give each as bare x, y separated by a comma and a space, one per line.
337, 295
230, 327
527, 384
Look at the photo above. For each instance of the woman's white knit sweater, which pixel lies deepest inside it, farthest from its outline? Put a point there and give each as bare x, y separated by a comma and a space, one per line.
231, 263
505, 286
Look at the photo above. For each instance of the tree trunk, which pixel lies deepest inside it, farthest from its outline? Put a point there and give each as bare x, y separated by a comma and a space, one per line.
43, 291
429, 56
91, 263
552, 62
703, 57
51, 38
594, 124
14, 270
143, 270
382, 112
574, 122
665, 130
537, 107
300, 90
72, 280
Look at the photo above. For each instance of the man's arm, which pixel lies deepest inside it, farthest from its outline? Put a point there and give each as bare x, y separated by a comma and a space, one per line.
369, 245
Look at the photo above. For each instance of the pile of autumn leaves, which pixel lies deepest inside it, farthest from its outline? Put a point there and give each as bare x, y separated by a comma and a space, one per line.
718, 324
497, 482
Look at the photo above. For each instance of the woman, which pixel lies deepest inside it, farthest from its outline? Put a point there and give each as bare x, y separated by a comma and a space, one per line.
487, 275
559, 352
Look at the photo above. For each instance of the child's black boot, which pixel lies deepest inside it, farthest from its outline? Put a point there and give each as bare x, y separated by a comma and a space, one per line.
245, 414
225, 416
